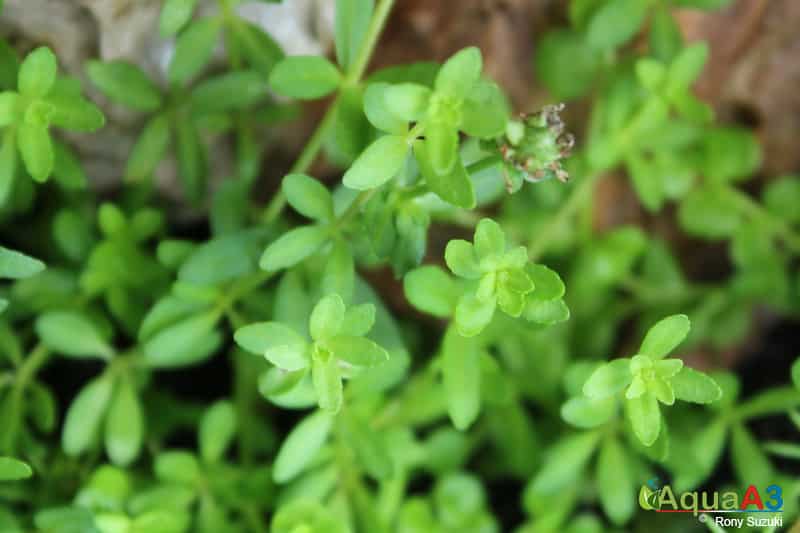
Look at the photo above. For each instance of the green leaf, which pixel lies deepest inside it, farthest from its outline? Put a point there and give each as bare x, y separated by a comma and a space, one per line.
75, 113
16, 265
379, 163
149, 149
709, 213
9, 111
432, 290
8, 165
615, 23
377, 110
308, 196
306, 515
782, 196
703, 4
462, 260
279, 343
666, 39
67, 168
66, 520
651, 73
124, 425
647, 182
564, 463
193, 50
350, 27
304, 77
566, 64
210, 263
686, 67
72, 334
217, 429
37, 74
473, 315
693, 386
615, 482
36, 149
339, 274
327, 379
13, 469
645, 417
788, 450
293, 247
9, 63
731, 154
664, 336
796, 372
177, 466
358, 351
749, 461
174, 16
460, 73
441, 143
454, 187
407, 101
546, 313
125, 83
486, 111
370, 447
301, 446
461, 377
587, 413
112, 220
358, 320
777, 400
490, 240
609, 379
326, 317
232, 91
192, 164
258, 48
84, 416
187, 342
546, 281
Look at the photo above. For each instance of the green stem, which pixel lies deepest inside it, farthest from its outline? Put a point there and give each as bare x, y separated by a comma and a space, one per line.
304, 161
352, 77
538, 245
37, 358
379, 18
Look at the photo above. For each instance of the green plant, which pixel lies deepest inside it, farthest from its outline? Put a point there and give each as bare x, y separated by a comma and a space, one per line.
155, 380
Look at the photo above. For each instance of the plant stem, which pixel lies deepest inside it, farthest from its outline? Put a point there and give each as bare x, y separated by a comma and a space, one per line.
37, 358
539, 242
352, 77
357, 68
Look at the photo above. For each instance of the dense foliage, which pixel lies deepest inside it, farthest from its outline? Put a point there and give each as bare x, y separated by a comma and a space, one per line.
346, 413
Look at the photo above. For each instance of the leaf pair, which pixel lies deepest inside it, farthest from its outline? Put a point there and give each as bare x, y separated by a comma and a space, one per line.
311, 199
337, 347
115, 402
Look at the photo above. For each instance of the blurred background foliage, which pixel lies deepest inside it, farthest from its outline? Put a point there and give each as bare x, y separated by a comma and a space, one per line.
683, 198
